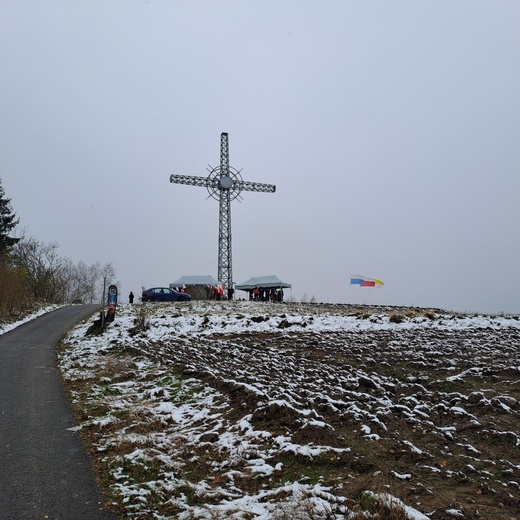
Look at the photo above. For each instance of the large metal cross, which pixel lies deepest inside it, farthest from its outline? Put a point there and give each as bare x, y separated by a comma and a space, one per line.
224, 184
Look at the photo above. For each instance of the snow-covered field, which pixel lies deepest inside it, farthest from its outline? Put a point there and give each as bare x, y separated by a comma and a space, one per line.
253, 410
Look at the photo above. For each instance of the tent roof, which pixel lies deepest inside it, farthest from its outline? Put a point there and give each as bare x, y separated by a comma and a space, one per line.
262, 281
194, 280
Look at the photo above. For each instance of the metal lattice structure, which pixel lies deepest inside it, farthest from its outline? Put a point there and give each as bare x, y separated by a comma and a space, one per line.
224, 183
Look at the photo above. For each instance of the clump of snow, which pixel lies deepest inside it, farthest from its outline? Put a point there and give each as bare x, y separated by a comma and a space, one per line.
392, 502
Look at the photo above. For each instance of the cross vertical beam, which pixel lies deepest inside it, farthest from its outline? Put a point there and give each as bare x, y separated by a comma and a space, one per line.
225, 268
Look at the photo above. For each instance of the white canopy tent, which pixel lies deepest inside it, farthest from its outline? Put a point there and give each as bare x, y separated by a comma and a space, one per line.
198, 287
194, 280
263, 281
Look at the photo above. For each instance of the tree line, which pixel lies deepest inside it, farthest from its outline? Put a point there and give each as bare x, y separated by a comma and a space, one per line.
33, 274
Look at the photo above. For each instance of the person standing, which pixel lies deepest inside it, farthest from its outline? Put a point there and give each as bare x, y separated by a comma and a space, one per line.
131, 297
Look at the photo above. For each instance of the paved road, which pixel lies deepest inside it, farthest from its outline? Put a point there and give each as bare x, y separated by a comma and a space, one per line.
44, 470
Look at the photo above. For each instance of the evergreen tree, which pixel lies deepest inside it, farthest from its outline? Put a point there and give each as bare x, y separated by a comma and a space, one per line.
8, 222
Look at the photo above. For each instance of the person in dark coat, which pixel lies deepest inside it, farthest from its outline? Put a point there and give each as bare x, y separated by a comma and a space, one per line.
131, 297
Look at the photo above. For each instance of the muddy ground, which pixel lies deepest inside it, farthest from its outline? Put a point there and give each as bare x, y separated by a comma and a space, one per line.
435, 416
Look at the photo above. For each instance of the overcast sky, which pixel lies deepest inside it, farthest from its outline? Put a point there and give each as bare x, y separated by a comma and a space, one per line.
390, 129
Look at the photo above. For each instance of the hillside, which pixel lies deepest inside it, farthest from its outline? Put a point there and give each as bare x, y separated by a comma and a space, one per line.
251, 410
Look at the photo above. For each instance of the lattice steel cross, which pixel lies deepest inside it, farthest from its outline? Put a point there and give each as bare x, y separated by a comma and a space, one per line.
224, 184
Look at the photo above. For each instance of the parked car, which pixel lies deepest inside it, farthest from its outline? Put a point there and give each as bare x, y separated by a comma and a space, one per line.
164, 294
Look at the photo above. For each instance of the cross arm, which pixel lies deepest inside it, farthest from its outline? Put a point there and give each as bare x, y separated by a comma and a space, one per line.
257, 186
191, 180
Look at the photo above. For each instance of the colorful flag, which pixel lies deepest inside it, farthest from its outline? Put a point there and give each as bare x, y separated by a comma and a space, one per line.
364, 281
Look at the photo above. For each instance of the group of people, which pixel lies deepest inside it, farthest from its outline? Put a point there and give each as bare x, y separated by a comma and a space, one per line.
216, 292
266, 294
103, 318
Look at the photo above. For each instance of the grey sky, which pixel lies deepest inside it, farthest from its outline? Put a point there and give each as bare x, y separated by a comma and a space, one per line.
389, 128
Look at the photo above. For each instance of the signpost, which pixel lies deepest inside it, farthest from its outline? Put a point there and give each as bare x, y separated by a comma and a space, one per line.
112, 303
112, 295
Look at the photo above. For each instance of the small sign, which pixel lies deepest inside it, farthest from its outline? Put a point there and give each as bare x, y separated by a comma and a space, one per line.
112, 295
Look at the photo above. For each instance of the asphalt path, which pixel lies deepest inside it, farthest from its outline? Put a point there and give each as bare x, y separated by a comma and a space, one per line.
45, 472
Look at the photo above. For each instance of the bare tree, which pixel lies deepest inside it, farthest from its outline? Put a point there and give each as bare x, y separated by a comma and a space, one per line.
42, 269
53, 279
99, 277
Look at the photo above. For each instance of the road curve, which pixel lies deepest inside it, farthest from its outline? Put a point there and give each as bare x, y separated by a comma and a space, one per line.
44, 469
